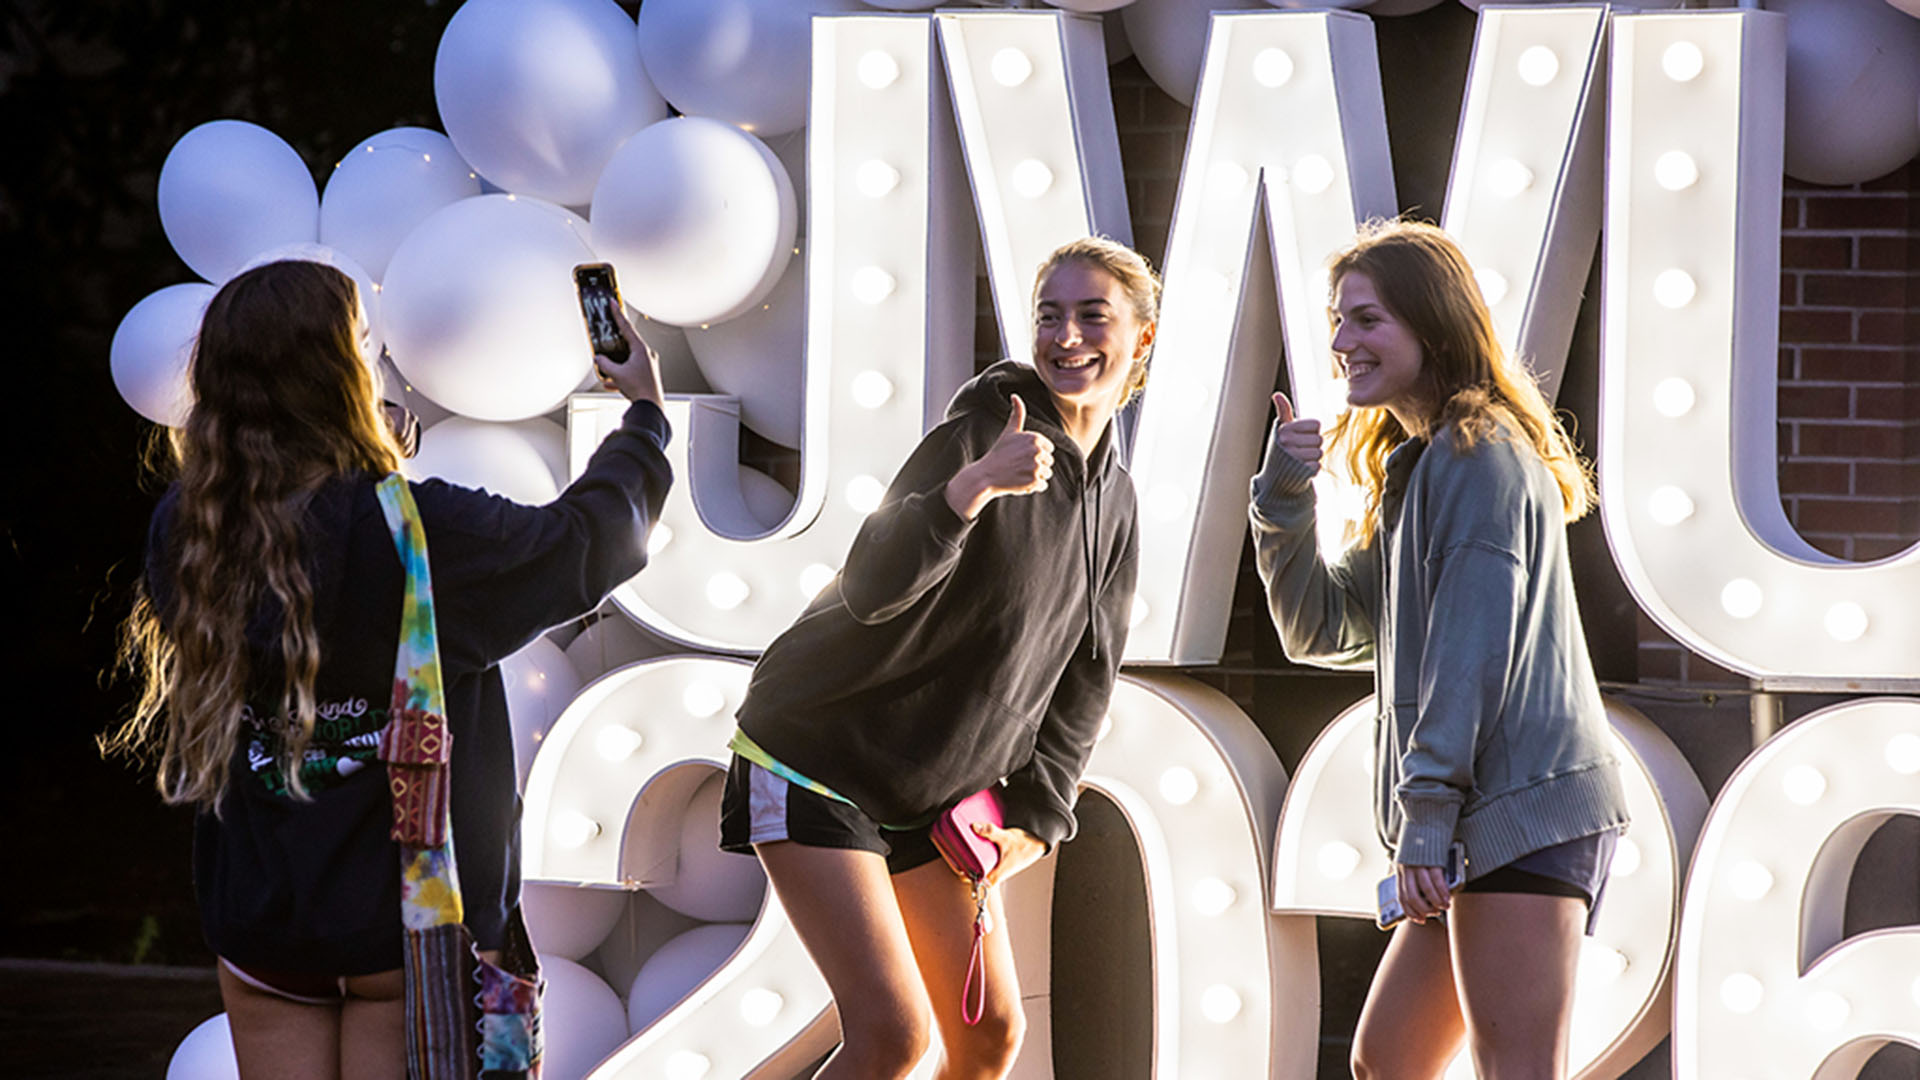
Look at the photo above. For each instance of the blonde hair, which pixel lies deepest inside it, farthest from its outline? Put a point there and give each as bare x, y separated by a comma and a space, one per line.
1424, 280
1129, 268
283, 401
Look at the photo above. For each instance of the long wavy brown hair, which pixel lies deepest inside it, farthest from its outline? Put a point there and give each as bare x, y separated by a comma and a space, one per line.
1421, 276
283, 400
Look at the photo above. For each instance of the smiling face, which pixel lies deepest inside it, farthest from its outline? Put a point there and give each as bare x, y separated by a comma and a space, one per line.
1087, 341
1381, 356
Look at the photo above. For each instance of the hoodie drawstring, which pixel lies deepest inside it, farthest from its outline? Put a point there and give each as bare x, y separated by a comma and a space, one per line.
1089, 544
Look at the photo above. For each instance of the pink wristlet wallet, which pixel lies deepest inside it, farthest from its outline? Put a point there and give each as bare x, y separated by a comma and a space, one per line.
969, 853
972, 856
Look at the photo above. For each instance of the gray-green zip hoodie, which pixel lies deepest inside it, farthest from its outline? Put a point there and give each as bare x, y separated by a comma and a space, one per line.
1489, 727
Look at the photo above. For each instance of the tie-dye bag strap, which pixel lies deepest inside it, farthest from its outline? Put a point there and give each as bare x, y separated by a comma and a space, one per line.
466, 1017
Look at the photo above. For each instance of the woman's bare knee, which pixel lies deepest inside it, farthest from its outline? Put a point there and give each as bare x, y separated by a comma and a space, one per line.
882, 1047
990, 1047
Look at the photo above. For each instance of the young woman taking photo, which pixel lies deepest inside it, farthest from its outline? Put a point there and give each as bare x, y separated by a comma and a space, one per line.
267, 637
971, 640
1490, 732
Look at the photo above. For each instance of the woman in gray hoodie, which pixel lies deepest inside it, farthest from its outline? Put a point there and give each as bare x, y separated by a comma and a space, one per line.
1490, 736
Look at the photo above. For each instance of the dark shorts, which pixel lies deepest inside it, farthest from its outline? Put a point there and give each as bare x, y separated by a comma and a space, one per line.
1577, 868
758, 807
305, 988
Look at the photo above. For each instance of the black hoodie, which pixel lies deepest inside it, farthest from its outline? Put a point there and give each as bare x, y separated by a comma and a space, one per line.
315, 886
949, 654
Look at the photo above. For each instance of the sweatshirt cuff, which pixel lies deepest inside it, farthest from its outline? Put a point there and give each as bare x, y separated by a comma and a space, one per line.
1049, 828
1281, 474
1426, 831
649, 421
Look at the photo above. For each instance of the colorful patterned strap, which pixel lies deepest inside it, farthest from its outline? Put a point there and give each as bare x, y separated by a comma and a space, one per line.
416, 744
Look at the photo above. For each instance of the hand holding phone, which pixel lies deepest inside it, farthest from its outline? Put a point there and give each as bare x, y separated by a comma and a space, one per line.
624, 361
1391, 909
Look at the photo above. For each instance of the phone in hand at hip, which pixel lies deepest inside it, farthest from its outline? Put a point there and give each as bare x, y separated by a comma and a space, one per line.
1387, 894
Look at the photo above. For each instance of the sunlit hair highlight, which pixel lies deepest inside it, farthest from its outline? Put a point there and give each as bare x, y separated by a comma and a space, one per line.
1422, 278
283, 400
1129, 268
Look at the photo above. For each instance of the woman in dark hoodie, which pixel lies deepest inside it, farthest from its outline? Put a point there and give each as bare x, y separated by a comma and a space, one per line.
267, 637
971, 639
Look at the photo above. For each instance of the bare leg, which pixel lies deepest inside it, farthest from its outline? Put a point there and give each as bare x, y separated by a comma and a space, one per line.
1515, 955
373, 1032
843, 906
277, 1039
938, 907
1411, 1026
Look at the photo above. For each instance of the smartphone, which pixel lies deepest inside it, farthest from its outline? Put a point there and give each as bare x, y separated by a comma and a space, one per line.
1387, 894
599, 303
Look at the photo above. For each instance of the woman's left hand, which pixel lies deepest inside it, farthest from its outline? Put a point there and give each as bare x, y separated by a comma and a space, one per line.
1423, 891
1019, 849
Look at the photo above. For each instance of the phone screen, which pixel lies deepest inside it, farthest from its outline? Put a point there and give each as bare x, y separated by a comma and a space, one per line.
599, 300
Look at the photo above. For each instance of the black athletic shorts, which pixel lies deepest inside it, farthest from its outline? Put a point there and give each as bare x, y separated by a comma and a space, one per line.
759, 807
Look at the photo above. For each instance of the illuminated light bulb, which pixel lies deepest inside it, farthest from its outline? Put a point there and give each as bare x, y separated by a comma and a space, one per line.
871, 389
760, 1006
426, 157
702, 699
1827, 1010
1106, 728
1139, 613
871, 284
687, 1065
1228, 179
1675, 170
1338, 860
1211, 896
1741, 993
1600, 962
1903, 753
1312, 174
1846, 621
1803, 785
571, 829
1674, 288
815, 577
1011, 67
726, 591
1626, 858
617, 742
1167, 502
1538, 66
1509, 178
1272, 68
1214, 282
877, 69
1219, 1004
1683, 61
1178, 785
864, 493
1749, 880
1673, 398
658, 540
1740, 598
1669, 505
513, 198
1032, 178
1493, 285
376, 288
876, 178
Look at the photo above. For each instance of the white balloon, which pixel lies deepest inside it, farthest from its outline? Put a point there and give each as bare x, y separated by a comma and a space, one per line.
698, 218
395, 387
1170, 38
1400, 7
206, 1053
540, 681
480, 309
1346, 4
329, 256
153, 348
791, 149
906, 5
1090, 6
1911, 7
1113, 28
229, 190
742, 61
1853, 72
757, 358
385, 187
582, 1018
644, 926
713, 885
537, 93
767, 499
525, 460
612, 642
1625, 5
677, 967
569, 920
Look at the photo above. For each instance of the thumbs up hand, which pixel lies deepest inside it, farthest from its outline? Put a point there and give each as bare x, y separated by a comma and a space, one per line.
1299, 438
1019, 463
